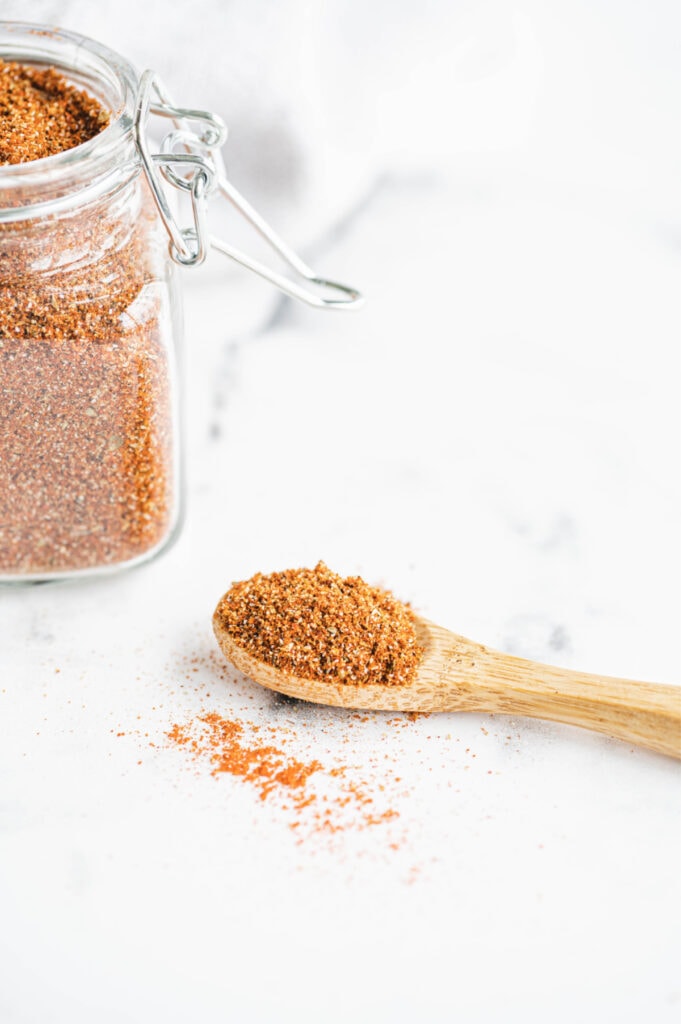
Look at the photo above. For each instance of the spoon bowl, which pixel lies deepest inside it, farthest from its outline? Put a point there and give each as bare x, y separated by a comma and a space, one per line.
457, 674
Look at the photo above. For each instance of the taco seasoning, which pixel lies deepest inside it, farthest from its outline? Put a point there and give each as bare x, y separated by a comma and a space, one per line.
315, 624
88, 319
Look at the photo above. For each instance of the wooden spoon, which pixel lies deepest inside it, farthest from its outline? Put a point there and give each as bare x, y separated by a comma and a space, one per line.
457, 674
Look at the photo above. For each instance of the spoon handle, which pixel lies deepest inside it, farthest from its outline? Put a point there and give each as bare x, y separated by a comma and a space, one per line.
646, 714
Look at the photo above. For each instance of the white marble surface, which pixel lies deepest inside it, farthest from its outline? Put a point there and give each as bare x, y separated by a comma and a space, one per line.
496, 438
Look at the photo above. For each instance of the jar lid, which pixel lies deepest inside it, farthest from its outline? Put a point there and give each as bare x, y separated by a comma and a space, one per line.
190, 160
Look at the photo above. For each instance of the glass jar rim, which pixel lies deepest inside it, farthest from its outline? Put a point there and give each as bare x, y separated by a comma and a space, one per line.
53, 182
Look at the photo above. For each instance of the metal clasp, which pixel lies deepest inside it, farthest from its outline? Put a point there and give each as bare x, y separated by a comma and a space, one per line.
190, 160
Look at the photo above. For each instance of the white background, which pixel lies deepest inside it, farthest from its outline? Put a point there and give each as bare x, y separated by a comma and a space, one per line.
495, 437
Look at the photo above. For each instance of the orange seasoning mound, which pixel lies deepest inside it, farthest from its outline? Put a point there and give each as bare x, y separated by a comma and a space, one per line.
42, 114
315, 624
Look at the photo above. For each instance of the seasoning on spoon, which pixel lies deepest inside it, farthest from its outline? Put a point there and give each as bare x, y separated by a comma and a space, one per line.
307, 633
317, 625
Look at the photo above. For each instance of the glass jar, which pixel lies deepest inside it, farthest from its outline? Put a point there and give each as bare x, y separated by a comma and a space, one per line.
89, 327
90, 473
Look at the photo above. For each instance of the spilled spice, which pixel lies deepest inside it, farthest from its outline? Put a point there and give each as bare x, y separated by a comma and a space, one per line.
315, 624
265, 766
86, 417
318, 800
41, 114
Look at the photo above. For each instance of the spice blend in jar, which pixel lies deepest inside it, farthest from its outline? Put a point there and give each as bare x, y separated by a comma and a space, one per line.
89, 315
41, 114
314, 624
87, 432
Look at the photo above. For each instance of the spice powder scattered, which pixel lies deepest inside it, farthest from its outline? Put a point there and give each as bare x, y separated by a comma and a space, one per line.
314, 624
318, 800
86, 423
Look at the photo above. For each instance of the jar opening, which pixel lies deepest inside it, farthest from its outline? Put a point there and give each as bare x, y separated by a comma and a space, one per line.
55, 181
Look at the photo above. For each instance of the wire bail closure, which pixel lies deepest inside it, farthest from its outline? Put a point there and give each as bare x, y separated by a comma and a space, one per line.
190, 160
